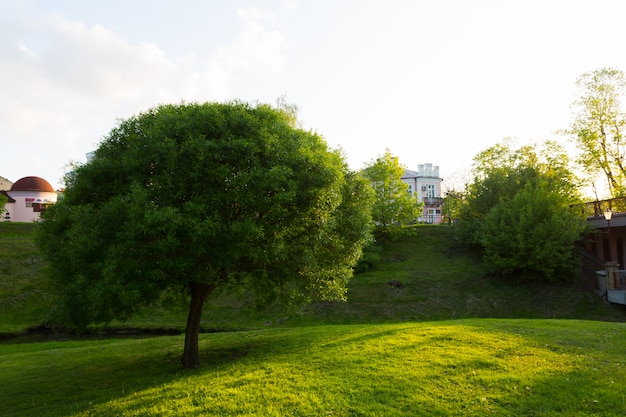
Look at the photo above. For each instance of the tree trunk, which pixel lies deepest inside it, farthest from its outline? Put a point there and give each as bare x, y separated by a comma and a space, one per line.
199, 293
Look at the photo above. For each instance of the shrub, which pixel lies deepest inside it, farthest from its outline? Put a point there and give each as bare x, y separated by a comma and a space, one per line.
533, 236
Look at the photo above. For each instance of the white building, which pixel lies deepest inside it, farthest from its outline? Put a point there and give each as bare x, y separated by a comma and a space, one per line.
28, 198
425, 186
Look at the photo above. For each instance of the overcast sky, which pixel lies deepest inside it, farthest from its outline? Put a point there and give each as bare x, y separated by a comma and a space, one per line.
433, 81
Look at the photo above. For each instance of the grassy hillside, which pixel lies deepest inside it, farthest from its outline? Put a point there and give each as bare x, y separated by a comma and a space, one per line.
24, 292
429, 277
471, 367
412, 340
425, 276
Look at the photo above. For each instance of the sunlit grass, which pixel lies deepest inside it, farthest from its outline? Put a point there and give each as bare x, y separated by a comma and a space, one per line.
471, 367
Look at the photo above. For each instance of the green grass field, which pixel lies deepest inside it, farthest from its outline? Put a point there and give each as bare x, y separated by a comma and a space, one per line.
424, 333
472, 367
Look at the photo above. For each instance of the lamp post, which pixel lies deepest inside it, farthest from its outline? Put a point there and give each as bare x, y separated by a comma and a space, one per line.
608, 214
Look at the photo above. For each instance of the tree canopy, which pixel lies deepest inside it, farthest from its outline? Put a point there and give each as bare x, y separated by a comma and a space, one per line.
518, 210
599, 125
532, 236
394, 206
199, 197
3, 201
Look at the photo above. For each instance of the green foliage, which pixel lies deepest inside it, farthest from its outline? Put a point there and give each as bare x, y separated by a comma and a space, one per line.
3, 201
370, 258
515, 207
533, 235
204, 196
394, 207
501, 171
452, 205
598, 127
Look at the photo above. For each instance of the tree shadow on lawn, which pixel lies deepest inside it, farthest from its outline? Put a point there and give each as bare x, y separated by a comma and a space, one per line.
62, 378
140, 377
65, 377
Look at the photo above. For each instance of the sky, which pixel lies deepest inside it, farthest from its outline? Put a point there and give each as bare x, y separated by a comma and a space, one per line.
432, 81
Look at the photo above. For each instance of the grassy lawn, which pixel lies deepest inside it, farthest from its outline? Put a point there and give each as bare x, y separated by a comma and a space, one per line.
471, 367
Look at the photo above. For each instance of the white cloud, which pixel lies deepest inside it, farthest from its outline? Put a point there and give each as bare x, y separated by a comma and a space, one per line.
54, 89
94, 60
255, 55
65, 82
256, 51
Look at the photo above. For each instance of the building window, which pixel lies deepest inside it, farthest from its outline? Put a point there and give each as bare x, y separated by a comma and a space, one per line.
430, 191
40, 207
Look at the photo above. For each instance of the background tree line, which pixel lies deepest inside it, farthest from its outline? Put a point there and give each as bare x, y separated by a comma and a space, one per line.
518, 206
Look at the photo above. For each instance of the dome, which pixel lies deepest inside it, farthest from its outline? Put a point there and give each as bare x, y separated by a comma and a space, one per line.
32, 184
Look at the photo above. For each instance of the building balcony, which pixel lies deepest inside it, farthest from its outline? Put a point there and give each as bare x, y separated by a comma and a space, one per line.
432, 201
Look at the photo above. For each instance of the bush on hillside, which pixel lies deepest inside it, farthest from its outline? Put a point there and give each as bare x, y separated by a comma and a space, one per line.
533, 236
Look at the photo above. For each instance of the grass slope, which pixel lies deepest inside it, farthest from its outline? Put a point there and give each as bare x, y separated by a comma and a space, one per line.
425, 276
429, 277
471, 367
24, 292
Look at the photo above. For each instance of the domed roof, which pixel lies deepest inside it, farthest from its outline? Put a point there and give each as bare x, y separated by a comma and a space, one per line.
32, 184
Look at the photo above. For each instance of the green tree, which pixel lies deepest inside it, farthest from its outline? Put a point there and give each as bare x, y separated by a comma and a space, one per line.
533, 235
394, 206
201, 197
501, 171
3, 201
598, 127
452, 204
518, 210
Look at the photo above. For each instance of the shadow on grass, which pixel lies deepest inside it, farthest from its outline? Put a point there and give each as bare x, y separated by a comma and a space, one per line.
468, 367
57, 378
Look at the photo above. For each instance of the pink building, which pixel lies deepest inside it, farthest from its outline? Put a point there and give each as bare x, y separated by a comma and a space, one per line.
28, 198
425, 186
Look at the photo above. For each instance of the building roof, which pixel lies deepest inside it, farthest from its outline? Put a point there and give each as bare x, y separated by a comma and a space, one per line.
5, 184
9, 198
32, 184
410, 174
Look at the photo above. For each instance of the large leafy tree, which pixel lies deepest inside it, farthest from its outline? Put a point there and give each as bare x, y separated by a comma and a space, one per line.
201, 197
518, 210
394, 206
533, 236
598, 127
503, 170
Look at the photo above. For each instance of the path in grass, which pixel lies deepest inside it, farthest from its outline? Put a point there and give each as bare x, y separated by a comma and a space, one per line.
471, 367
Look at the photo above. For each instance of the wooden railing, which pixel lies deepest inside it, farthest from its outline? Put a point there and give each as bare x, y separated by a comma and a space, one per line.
596, 209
